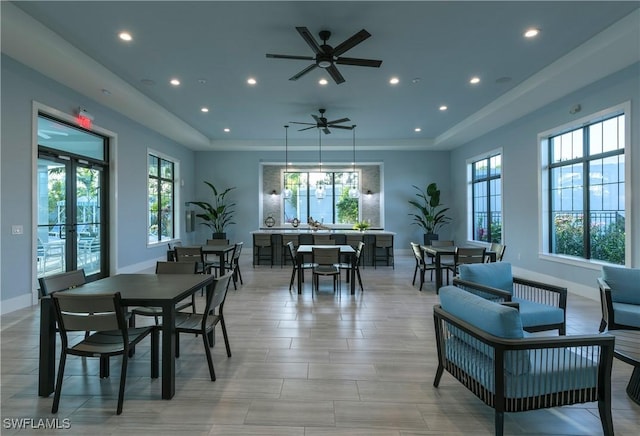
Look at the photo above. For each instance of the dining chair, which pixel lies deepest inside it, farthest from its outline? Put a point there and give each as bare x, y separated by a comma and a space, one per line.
421, 264
327, 259
286, 238
232, 264
262, 248
168, 268
384, 244
298, 268
193, 254
447, 262
204, 323
468, 255
348, 266
104, 315
498, 249
212, 258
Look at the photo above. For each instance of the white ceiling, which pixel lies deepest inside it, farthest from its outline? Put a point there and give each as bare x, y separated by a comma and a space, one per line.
441, 44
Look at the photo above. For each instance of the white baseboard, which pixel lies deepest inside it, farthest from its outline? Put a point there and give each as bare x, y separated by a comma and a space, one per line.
15, 303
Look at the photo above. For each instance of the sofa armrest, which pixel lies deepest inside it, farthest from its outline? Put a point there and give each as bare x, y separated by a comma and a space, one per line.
487, 292
543, 293
606, 304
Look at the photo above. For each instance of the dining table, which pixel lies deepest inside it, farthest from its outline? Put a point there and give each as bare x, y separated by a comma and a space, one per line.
346, 250
450, 250
151, 290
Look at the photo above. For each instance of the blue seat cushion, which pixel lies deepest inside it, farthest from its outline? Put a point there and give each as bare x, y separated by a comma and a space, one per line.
626, 314
537, 314
624, 283
494, 274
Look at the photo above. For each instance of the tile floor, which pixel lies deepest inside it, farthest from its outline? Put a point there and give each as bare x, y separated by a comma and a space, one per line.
302, 365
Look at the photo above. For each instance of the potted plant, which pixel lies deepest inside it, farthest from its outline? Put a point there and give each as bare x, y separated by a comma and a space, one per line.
219, 215
431, 215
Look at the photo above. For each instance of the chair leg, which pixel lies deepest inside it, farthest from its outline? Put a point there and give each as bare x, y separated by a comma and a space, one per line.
224, 335
415, 272
439, 371
499, 419
239, 274
293, 276
104, 366
56, 395
359, 279
421, 278
603, 325
123, 380
605, 417
155, 353
207, 352
177, 345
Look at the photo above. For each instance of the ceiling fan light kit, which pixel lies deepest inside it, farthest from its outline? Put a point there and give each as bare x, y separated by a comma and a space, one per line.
326, 56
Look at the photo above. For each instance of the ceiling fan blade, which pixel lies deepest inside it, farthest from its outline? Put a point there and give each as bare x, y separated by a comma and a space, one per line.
308, 37
341, 127
341, 120
303, 72
335, 74
351, 42
359, 62
326, 131
315, 117
308, 124
307, 128
280, 56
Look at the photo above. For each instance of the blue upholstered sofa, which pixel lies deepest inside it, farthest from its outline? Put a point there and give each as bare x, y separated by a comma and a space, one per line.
482, 344
542, 306
620, 298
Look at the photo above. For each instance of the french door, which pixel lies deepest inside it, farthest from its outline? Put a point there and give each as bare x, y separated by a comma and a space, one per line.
72, 196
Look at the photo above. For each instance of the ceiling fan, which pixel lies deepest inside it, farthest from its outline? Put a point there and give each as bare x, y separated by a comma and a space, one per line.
327, 57
322, 123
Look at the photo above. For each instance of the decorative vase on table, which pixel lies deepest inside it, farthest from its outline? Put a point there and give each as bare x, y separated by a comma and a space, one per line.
269, 221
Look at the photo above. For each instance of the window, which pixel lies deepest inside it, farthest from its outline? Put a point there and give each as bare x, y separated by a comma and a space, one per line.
162, 215
586, 190
323, 196
486, 199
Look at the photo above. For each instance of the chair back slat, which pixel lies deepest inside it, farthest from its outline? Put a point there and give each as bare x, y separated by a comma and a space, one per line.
354, 240
470, 255
217, 242
384, 241
323, 240
189, 254
499, 250
91, 312
418, 253
261, 240
326, 256
237, 251
218, 294
176, 267
61, 282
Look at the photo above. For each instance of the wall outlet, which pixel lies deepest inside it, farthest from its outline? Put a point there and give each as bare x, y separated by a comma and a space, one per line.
17, 229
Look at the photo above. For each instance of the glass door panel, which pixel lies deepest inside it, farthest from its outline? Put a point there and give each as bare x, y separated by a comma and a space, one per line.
88, 218
51, 231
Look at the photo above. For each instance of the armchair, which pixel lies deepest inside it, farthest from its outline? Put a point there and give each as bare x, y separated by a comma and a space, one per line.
620, 298
542, 306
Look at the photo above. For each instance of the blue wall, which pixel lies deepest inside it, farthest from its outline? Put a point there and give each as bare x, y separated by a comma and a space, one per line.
520, 176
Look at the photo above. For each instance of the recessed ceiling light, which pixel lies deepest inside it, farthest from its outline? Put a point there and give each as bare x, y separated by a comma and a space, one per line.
251, 81
394, 80
323, 82
204, 109
530, 33
226, 130
125, 36
474, 80
417, 129
443, 108
174, 82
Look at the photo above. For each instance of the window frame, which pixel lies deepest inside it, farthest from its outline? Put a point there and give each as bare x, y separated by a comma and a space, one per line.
544, 185
175, 196
470, 191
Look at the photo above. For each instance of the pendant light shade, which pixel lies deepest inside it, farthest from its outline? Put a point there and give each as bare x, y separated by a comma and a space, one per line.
286, 191
354, 192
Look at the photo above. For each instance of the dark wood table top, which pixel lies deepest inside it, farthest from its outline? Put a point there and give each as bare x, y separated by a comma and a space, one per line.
147, 289
627, 347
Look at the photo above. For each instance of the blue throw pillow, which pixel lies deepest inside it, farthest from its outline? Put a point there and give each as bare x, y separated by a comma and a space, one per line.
494, 274
624, 283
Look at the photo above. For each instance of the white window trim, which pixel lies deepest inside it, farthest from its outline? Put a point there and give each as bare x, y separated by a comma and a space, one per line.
543, 187
468, 164
177, 212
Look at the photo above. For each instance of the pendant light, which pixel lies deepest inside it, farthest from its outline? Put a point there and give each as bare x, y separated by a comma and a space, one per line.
320, 192
286, 192
354, 192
